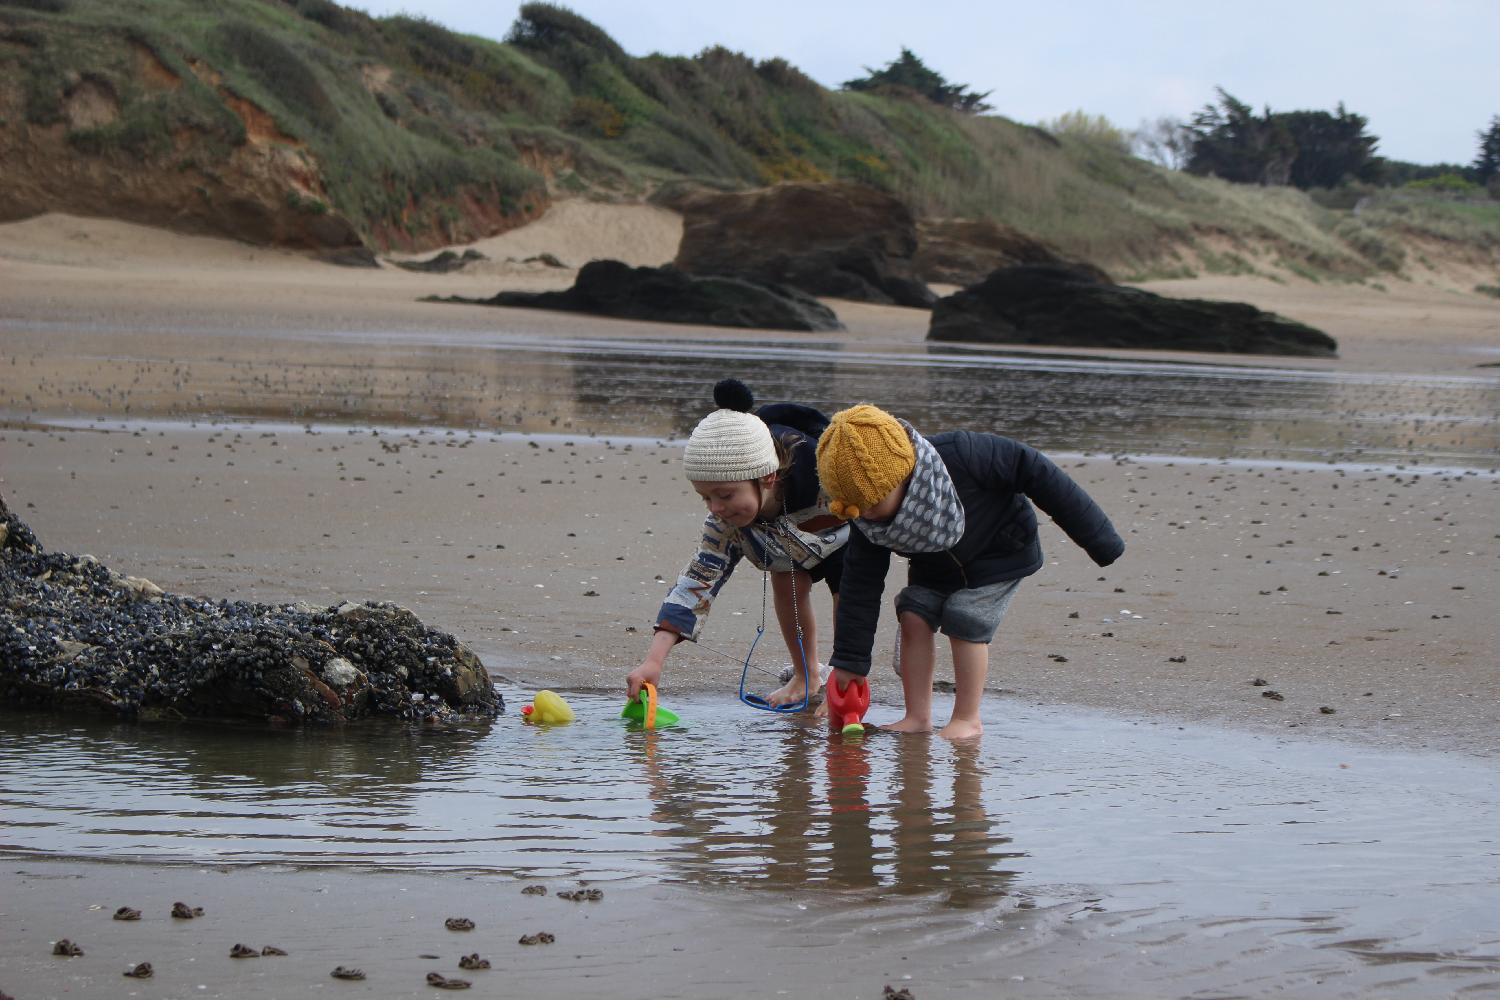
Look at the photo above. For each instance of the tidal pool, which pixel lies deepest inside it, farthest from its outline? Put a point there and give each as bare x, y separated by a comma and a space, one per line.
1393, 857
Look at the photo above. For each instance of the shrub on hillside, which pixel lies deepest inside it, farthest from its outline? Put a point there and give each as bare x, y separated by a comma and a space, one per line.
280, 71
594, 116
1090, 128
562, 38
340, 20
1445, 184
1372, 245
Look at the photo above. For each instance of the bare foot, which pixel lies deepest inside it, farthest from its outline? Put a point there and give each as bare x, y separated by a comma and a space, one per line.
909, 724
789, 693
962, 729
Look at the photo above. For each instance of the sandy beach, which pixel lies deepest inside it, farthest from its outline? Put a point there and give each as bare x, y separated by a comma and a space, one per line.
1294, 575
1347, 602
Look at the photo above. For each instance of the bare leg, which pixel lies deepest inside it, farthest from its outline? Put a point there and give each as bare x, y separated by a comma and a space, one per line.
971, 665
918, 652
821, 712
781, 589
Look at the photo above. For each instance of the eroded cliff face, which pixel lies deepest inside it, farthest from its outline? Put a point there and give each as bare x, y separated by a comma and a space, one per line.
267, 188
262, 185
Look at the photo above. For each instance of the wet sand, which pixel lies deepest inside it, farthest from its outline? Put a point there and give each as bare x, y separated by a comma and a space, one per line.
1365, 592
1369, 593
652, 941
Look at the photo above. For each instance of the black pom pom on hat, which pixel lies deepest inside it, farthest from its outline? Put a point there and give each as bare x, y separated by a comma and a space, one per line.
732, 394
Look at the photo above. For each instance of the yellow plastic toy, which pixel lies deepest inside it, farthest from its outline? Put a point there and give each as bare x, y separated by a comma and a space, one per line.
548, 709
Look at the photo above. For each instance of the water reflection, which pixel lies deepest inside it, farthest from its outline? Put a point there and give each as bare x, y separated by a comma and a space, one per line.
791, 807
901, 815
1059, 806
646, 388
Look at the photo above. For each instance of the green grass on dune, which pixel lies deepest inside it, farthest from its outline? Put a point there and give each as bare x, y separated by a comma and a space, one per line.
404, 116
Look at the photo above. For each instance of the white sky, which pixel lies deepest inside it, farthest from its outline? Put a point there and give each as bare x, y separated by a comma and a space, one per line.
1426, 73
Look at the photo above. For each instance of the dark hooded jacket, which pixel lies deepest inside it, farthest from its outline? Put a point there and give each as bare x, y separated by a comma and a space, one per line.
997, 480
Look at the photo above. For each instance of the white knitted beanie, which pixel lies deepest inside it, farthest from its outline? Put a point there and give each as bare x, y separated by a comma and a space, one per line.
730, 444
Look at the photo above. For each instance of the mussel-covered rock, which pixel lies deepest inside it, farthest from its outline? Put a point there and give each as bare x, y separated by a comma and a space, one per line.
74, 634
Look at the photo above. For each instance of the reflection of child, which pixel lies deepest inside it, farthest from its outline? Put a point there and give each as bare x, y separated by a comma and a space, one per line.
757, 473
956, 506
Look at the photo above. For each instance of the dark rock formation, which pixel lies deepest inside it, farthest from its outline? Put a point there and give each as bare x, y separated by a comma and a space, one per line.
350, 257
965, 251
442, 263
1064, 306
839, 240
667, 295
76, 636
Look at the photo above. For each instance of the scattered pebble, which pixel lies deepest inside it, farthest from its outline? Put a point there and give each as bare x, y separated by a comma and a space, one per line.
442, 982
581, 895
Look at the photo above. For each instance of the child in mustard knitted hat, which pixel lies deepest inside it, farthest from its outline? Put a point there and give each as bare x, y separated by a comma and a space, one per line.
757, 475
958, 506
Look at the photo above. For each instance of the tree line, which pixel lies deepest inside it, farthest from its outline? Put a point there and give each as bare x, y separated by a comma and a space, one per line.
1227, 139
1303, 149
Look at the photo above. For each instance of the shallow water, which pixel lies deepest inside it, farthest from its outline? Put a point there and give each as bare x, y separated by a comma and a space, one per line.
661, 388
1398, 853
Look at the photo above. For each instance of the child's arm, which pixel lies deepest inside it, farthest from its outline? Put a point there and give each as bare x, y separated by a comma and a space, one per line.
687, 605
1026, 470
865, 568
649, 672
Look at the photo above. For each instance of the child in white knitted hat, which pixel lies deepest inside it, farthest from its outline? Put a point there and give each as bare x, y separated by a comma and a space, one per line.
757, 474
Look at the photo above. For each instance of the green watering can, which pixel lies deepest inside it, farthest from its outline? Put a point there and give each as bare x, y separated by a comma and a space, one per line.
646, 711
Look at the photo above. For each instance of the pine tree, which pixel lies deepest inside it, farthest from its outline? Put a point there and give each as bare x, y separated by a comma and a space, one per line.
1487, 163
909, 73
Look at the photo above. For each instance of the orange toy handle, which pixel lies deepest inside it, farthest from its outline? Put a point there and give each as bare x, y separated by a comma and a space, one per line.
650, 722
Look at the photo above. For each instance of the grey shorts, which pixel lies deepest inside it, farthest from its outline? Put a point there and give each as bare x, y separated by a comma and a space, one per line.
970, 615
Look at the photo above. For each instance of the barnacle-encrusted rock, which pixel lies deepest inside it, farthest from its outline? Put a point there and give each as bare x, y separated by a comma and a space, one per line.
74, 634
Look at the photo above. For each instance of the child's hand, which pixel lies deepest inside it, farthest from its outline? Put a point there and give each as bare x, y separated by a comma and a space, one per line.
647, 673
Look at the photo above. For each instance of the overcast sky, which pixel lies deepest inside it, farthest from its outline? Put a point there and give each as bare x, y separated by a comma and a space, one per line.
1426, 73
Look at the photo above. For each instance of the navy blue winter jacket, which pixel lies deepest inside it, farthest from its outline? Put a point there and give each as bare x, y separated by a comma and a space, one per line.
994, 476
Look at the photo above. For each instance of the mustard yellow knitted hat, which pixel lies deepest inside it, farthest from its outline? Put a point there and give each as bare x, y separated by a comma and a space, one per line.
863, 455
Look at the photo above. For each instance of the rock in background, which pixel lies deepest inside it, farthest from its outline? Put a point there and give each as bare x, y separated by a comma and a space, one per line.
843, 241
76, 636
965, 251
667, 295
1066, 306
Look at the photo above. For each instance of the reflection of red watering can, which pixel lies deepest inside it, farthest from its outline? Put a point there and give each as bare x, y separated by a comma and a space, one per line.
646, 711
